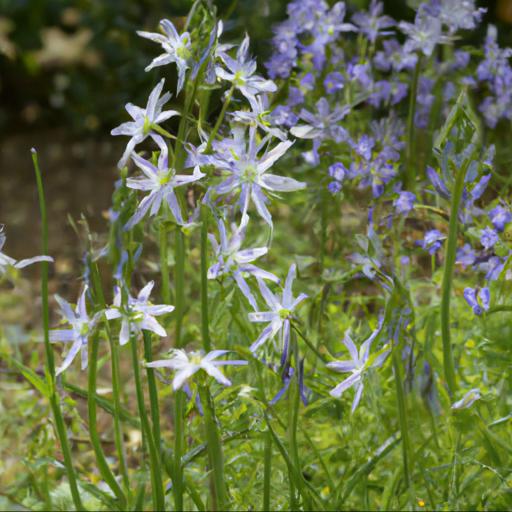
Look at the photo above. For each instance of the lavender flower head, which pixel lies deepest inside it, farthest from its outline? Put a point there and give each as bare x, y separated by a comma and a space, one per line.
177, 48
234, 261
241, 73
78, 334
281, 308
137, 314
247, 170
186, 365
357, 365
144, 122
160, 181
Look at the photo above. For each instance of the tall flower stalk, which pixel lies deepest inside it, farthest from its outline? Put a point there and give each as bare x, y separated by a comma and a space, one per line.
50, 362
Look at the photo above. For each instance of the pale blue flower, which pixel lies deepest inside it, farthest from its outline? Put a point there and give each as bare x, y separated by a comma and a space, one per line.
177, 48
424, 34
185, 365
489, 237
241, 73
7, 262
468, 399
357, 365
82, 327
160, 181
247, 170
138, 313
281, 308
234, 261
479, 303
144, 122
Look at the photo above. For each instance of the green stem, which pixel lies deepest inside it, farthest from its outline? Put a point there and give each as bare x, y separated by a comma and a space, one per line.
153, 392
498, 309
105, 471
449, 264
402, 415
49, 360
179, 448
267, 470
164, 264
215, 454
222, 114
154, 461
179, 280
410, 174
116, 379
205, 331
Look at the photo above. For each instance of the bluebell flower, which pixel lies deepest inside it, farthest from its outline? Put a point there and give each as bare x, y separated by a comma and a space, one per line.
281, 308
259, 116
404, 203
7, 262
459, 14
373, 23
358, 364
500, 217
144, 122
424, 34
81, 327
286, 376
338, 173
283, 115
489, 237
160, 181
432, 241
468, 399
137, 314
492, 267
241, 73
466, 255
177, 48
394, 56
247, 170
480, 304
186, 365
361, 73
234, 261
334, 82
437, 182
364, 146
323, 124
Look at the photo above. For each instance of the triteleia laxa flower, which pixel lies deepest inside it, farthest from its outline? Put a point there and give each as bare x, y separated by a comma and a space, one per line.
185, 365
480, 304
78, 334
160, 181
282, 306
468, 399
177, 48
234, 261
358, 365
247, 170
7, 261
144, 122
138, 313
241, 73
373, 23
404, 203
489, 237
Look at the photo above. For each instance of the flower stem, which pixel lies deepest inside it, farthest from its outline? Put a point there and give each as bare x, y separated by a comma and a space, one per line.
402, 416
153, 392
179, 448
179, 280
49, 360
103, 466
220, 118
449, 264
205, 331
164, 264
116, 380
154, 461
216, 457
267, 470
410, 173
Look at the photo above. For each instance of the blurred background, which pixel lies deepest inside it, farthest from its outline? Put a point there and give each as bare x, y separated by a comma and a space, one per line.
67, 68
